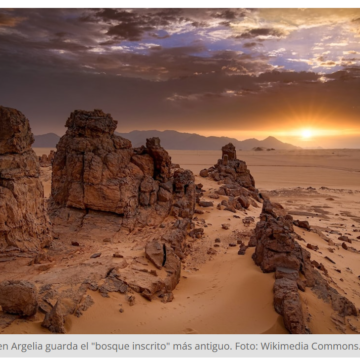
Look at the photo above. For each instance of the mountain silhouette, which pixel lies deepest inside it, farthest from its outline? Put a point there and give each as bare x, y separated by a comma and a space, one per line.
174, 140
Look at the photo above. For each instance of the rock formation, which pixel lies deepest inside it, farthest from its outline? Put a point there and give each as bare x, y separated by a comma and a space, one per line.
237, 181
24, 224
278, 251
94, 169
46, 160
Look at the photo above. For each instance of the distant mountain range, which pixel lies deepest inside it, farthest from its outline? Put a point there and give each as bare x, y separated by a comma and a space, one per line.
46, 141
174, 140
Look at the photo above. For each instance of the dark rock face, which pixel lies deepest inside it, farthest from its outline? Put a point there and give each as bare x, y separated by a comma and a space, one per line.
275, 242
237, 181
95, 169
15, 136
277, 251
18, 297
287, 303
23, 220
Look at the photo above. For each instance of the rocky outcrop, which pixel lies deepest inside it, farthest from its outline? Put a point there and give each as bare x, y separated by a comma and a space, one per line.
24, 224
94, 169
46, 160
287, 303
237, 182
276, 250
276, 245
18, 297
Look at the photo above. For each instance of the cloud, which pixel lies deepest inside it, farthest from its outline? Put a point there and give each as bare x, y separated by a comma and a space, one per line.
251, 45
262, 33
10, 21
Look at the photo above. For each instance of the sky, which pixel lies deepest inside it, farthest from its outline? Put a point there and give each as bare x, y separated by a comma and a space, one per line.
244, 73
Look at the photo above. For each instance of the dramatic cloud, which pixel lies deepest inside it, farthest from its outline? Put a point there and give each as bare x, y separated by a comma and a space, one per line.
187, 69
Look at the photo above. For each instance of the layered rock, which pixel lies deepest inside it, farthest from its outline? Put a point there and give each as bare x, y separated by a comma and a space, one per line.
276, 245
24, 224
95, 169
276, 250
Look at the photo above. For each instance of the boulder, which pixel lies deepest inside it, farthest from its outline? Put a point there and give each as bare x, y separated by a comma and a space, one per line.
302, 224
204, 173
18, 297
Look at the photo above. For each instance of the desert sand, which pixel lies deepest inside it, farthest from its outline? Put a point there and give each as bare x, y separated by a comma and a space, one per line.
222, 292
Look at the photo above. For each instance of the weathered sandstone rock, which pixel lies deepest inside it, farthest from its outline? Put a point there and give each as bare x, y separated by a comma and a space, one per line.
287, 303
95, 169
238, 183
24, 224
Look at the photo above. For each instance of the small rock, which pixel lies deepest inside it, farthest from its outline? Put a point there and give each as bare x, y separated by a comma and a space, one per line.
96, 255
75, 243
117, 255
206, 203
217, 240
312, 247
225, 226
332, 261
130, 299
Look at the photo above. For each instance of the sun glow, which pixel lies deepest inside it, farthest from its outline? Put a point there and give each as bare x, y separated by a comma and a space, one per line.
306, 134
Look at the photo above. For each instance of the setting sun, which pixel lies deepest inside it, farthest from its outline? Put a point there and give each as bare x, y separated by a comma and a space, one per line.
306, 134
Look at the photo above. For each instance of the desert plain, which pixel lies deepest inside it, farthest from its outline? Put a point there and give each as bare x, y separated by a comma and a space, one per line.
220, 291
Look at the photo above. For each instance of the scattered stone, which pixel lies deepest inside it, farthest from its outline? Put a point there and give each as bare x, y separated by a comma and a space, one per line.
242, 249
344, 246
130, 299
217, 240
117, 255
75, 243
206, 203
344, 238
204, 173
332, 261
197, 233
225, 226
211, 251
167, 297
96, 255
312, 247
302, 224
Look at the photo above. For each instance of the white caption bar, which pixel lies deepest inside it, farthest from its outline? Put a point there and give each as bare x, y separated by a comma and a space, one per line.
179, 346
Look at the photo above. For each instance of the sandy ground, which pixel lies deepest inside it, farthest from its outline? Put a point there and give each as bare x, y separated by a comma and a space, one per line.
225, 292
